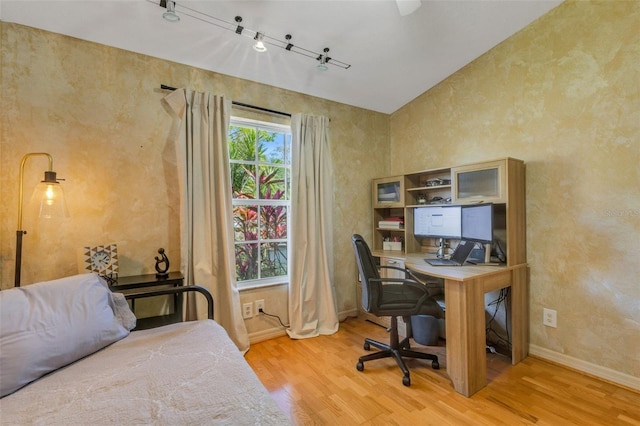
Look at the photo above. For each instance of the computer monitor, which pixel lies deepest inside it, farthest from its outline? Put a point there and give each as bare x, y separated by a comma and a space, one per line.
477, 223
437, 222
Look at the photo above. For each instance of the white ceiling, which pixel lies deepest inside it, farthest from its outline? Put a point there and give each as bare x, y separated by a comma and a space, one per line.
393, 58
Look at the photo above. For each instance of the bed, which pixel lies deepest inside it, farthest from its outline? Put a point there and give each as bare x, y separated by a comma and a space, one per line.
178, 374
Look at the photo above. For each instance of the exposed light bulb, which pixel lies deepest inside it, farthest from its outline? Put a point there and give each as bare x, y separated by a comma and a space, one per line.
259, 46
50, 196
170, 15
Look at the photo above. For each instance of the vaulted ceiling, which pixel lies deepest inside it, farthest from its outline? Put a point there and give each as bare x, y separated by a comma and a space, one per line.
392, 57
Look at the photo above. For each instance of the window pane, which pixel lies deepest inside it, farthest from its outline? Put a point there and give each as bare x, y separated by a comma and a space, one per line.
287, 148
287, 184
243, 180
272, 183
270, 147
246, 262
273, 259
273, 222
245, 223
242, 143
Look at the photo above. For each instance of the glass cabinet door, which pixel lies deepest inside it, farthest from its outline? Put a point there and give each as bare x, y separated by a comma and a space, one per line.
479, 183
388, 192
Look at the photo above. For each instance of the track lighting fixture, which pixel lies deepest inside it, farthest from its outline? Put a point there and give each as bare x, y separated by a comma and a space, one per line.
261, 40
259, 46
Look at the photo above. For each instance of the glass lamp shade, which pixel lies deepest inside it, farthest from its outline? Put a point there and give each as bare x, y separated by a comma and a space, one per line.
322, 66
170, 15
259, 46
50, 199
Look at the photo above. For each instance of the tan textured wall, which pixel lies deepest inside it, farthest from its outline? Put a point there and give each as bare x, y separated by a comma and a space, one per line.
97, 110
564, 96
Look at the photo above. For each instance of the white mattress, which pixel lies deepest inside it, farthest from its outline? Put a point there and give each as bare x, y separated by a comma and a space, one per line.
180, 374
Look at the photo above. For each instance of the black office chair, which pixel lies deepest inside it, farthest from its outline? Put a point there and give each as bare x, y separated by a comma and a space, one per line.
394, 297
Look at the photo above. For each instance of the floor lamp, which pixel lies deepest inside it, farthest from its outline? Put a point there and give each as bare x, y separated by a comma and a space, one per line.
51, 203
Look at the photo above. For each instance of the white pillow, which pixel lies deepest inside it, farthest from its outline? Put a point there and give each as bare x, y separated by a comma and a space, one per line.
48, 325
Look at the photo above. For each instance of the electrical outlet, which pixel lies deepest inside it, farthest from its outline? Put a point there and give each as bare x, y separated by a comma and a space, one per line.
549, 318
247, 310
259, 304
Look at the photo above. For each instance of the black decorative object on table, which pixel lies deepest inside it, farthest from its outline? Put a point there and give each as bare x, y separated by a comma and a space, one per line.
160, 268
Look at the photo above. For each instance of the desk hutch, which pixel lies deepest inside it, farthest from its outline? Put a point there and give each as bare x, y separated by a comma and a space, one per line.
499, 181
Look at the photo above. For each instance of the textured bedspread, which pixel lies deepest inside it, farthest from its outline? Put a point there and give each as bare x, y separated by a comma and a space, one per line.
183, 374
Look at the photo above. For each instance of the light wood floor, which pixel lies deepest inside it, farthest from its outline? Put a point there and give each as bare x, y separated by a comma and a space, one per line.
315, 382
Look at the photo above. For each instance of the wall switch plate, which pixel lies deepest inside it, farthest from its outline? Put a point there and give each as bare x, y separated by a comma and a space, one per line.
259, 304
549, 318
247, 310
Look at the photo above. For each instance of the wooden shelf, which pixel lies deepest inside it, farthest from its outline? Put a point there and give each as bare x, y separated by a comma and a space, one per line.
429, 188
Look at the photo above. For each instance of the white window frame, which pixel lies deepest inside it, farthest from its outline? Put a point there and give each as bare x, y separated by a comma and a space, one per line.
277, 128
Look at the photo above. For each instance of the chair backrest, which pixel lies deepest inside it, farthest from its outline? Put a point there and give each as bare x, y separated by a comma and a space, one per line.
368, 269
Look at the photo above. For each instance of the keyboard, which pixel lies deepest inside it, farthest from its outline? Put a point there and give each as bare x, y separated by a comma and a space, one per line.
442, 262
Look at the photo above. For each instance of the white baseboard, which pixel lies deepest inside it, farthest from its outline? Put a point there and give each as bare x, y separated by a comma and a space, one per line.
261, 336
586, 367
272, 333
346, 314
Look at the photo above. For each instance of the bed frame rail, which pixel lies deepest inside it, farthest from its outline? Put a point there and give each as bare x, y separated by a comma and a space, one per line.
175, 291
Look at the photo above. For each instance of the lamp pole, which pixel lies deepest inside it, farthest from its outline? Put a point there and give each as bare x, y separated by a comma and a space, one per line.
49, 177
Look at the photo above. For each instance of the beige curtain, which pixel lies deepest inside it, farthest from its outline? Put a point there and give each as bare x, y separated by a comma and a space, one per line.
206, 214
312, 303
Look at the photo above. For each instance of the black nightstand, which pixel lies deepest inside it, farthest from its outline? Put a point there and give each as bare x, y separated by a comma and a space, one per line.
139, 285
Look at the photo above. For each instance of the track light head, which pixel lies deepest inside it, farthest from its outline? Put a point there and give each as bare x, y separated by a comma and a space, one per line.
288, 38
259, 46
170, 15
323, 59
239, 28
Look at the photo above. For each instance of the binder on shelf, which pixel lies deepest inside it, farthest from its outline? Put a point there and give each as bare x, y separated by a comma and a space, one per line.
390, 224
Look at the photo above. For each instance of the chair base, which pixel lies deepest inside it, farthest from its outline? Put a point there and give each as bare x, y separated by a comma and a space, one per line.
397, 353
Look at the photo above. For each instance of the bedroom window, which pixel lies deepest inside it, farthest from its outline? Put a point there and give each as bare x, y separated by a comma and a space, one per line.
260, 160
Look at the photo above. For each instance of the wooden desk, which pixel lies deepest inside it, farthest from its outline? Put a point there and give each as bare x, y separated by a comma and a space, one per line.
464, 289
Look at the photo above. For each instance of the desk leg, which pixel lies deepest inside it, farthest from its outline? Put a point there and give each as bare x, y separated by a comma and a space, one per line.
519, 314
466, 356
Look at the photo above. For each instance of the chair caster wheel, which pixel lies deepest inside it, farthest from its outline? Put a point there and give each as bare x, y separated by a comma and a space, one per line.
406, 380
360, 366
367, 346
435, 365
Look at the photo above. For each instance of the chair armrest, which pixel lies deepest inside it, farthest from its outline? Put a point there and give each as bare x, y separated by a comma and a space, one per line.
410, 275
394, 267
404, 281
428, 284
175, 290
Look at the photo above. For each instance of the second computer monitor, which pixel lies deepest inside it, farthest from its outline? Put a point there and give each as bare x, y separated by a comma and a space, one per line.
477, 223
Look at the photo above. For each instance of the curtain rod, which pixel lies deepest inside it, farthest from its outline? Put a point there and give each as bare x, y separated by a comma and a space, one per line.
240, 104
